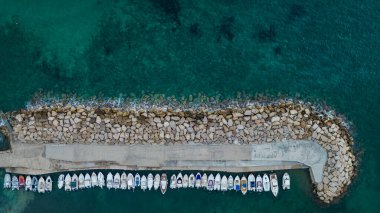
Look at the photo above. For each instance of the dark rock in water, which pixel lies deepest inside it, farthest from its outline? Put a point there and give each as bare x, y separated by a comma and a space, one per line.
194, 30
170, 7
226, 28
4, 143
296, 11
267, 34
277, 50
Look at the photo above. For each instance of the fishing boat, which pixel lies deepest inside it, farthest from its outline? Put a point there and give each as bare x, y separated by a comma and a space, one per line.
41, 185
173, 182
116, 181
74, 182
150, 181
61, 181
210, 182
123, 181
28, 183
137, 180
48, 184
7, 181
156, 182
130, 181
94, 179
164, 183
204, 181
224, 184
285, 181
274, 184
101, 181
185, 182
21, 181
87, 181
191, 180
217, 182
251, 183
15, 183
67, 182
198, 178
259, 184
109, 180
81, 181
143, 183
34, 183
230, 183
243, 186
266, 183
179, 181
237, 183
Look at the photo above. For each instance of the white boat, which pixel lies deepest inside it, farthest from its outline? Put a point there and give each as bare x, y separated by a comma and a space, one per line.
28, 183
204, 181
191, 180
156, 182
251, 183
15, 183
116, 181
217, 182
123, 181
230, 183
94, 179
130, 181
173, 182
7, 181
285, 181
224, 184
41, 185
243, 185
259, 184
48, 184
101, 181
87, 181
137, 180
68, 182
266, 183
179, 181
210, 182
198, 179
164, 183
237, 183
81, 181
143, 183
274, 184
34, 183
74, 182
150, 181
185, 182
109, 180
61, 181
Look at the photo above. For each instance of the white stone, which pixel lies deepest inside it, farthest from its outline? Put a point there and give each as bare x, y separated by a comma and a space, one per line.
98, 120
157, 120
275, 119
293, 112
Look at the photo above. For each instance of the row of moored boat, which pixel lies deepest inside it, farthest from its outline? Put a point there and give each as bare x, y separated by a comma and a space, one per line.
41, 185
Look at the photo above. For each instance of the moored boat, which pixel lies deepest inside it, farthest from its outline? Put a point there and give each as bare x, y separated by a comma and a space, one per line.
61, 181
28, 183
101, 181
224, 184
210, 182
137, 180
81, 181
21, 181
217, 182
74, 182
34, 183
285, 181
259, 184
266, 183
41, 185
130, 182
150, 181
173, 182
123, 181
230, 183
156, 182
143, 183
116, 181
251, 183
274, 184
164, 183
87, 181
237, 183
7, 181
204, 181
94, 180
67, 182
48, 184
109, 180
198, 178
191, 180
243, 185
15, 183
185, 182
179, 181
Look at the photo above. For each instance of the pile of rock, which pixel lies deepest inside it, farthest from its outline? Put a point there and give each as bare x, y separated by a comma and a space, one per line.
247, 124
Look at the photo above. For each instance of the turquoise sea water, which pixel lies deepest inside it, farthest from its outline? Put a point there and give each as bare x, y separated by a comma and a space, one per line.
324, 51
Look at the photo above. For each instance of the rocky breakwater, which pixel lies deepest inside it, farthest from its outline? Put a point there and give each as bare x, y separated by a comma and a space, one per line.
248, 123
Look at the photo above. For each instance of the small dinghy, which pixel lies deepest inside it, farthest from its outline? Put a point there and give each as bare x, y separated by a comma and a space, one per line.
285, 181
87, 181
61, 181
185, 182
101, 181
21, 181
94, 179
251, 183
150, 181
274, 184
259, 184
7, 181
204, 181
137, 180
173, 182
109, 180
123, 181
217, 182
210, 182
164, 183
224, 184
81, 181
156, 183
191, 180
41, 185
230, 183
68, 182
179, 181
266, 183
237, 183
116, 181
130, 182
28, 183
243, 184
15, 183
34, 183
74, 182
48, 184
143, 183
198, 178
